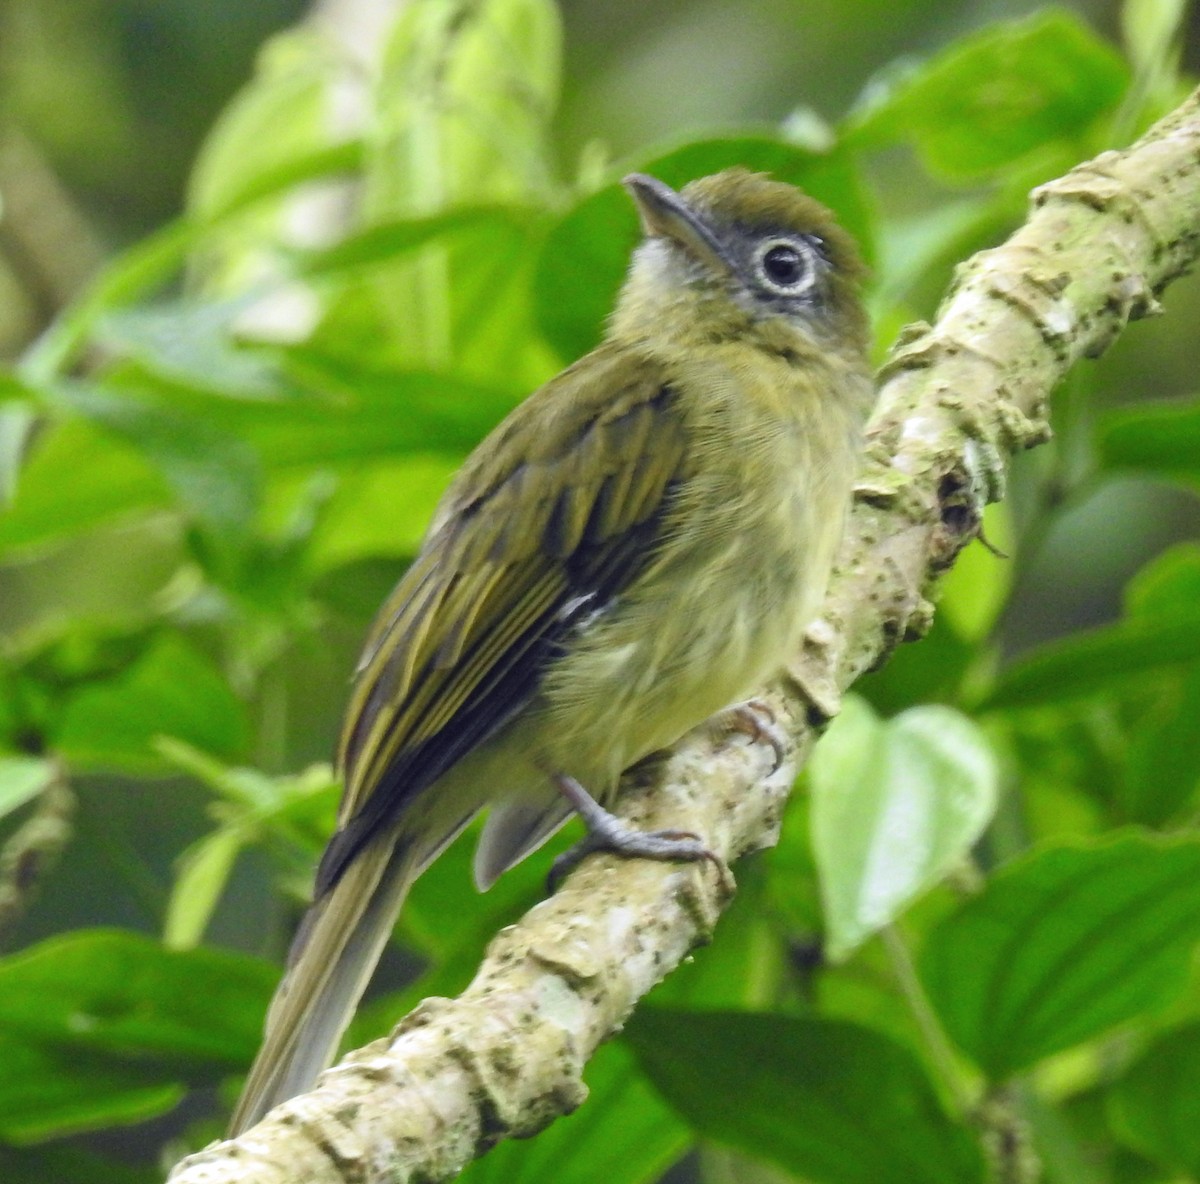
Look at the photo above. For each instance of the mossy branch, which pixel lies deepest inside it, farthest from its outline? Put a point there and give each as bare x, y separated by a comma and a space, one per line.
958, 400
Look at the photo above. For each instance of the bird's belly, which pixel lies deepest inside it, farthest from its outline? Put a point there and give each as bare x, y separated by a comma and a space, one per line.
687, 644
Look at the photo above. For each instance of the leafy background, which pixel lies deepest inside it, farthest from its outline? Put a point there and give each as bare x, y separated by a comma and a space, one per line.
264, 283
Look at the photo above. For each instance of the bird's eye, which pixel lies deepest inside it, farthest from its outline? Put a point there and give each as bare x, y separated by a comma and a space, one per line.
785, 266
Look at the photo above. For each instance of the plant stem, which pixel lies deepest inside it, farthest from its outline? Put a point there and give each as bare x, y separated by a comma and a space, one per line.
936, 1041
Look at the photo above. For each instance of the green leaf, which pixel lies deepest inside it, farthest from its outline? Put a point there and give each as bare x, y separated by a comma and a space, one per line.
596, 238
204, 870
100, 1026
1092, 662
931, 672
122, 994
388, 241
285, 114
895, 806
1161, 439
1167, 585
375, 412
1156, 1105
342, 414
48, 1091
171, 690
69, 1165
78, 477
215, 477
995, 97
17, 423
831, 1102
192, 342
300, 806
463, 105
623, 1134
975, 590
912, 246
1163, 770
12, 389
379, 509
1063, 945
22, 778
149, 263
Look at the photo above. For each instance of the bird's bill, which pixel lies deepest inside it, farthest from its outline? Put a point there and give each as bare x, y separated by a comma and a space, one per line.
664, 212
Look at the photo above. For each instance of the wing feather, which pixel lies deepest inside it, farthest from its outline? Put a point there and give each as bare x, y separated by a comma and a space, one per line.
507, 571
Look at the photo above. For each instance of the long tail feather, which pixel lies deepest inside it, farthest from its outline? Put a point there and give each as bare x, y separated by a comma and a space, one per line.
331, 962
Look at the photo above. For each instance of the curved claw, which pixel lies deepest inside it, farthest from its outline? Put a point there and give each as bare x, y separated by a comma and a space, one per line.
755, 719
606, 832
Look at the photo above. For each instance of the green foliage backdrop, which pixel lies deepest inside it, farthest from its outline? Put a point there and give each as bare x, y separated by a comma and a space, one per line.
974, 950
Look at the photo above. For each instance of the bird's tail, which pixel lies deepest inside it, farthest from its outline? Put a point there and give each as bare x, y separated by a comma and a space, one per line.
335, 951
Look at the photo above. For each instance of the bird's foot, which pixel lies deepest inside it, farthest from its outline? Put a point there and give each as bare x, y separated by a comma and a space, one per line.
755, 719
606, 832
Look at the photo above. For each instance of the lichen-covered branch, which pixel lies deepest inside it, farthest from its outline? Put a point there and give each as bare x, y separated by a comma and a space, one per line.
958, 400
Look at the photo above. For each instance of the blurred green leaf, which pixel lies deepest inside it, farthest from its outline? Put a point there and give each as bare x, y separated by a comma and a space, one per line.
463, 106
462, 300
831, 1102
215, 476
123, 995
930, 672
1156, 1104
1160, 439
22, 778
299, 807
910, 247
896, 804
975, 590
150, 263
190, 342
1092, 662
284, 115
998, 95
76, 478
1167, 585
460, 117
171, 690
585, 256
386, 241
1153, 32
48, 1091
623, 1134
12, 389
18, 420
1062, 945
1163, 768
378, 509
100, 1026
74, 1164
375, 412
340, 412
203, 872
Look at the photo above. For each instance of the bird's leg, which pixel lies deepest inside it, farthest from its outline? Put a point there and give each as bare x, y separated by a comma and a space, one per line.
755, 719
606, 832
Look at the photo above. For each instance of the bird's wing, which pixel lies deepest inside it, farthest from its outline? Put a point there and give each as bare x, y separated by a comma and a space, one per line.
542, 528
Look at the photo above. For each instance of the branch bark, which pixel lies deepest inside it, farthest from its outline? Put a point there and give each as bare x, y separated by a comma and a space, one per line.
958, 399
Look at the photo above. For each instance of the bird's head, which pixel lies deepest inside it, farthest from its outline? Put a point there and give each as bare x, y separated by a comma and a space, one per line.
739, 254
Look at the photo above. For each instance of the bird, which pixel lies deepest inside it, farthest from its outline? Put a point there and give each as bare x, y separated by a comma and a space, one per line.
638, 546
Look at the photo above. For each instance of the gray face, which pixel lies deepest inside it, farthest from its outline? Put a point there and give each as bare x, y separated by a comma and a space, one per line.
781, 271
773, 272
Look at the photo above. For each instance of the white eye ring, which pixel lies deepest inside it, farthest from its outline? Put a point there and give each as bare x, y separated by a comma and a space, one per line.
785, 266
